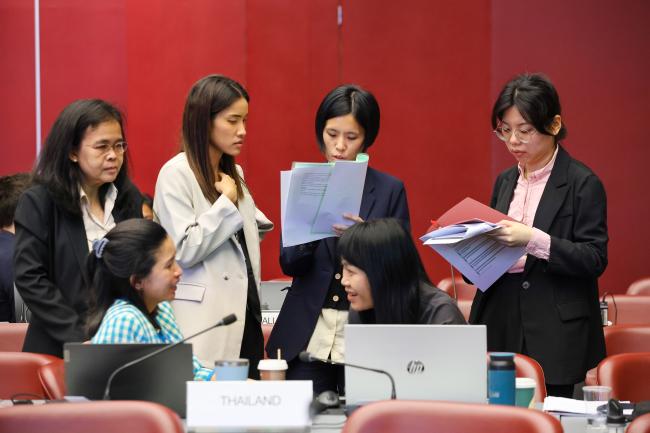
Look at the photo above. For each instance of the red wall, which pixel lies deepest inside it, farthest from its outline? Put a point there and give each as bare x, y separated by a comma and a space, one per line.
434, 66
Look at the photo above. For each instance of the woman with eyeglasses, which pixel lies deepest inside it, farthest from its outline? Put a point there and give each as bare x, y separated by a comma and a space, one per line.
81, 190
546, 305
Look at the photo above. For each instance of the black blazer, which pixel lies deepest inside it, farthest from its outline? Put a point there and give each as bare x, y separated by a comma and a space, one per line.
312, 267
558, 299
50, 266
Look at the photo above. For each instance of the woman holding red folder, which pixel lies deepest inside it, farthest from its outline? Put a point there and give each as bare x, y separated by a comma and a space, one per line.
546, 305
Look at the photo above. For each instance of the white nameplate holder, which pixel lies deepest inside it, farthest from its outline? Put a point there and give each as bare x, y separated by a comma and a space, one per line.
249, 403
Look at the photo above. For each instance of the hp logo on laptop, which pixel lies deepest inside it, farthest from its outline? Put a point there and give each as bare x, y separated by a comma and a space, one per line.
415, 367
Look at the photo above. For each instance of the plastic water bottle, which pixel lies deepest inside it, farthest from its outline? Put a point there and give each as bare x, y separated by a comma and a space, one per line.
501, 378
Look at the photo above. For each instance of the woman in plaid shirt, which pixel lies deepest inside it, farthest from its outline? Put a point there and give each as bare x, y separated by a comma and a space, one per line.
134, 273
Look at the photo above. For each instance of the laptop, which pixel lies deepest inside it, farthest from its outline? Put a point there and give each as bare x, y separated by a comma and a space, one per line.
427, 362
160, 378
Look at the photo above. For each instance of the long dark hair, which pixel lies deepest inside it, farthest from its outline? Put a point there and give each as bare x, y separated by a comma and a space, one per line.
386, 253
130, 251
536, 99
209, 96
55, 171
349, 99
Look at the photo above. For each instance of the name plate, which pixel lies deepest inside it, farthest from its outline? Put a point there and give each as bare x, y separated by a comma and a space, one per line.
249, 403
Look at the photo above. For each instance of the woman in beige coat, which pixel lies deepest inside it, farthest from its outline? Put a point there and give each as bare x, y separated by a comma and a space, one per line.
203, 203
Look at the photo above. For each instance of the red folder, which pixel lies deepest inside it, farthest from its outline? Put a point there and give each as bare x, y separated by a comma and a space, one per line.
466, 210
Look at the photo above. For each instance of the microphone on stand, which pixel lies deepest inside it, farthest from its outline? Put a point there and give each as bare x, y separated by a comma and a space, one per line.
308, 357
223, 322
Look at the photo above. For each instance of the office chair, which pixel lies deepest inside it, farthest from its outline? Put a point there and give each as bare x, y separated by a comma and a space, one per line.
12, 336
525, 366
20, 374
403, 416
639, 287
628, 374
95, 416
639, 425
622, 339
52, 378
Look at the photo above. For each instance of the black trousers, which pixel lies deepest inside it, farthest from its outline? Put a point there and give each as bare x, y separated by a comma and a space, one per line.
252, 345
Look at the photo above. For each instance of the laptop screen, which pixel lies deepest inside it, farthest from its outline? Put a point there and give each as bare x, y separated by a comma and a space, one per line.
160, 378
427, 362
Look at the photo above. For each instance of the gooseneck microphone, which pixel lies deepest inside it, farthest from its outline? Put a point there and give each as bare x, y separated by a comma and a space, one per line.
308, 357
229, 319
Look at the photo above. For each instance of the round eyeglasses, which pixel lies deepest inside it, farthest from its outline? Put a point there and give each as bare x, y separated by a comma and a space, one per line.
524, 135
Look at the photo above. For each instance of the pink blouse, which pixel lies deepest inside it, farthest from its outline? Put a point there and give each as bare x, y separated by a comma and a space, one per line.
523, 207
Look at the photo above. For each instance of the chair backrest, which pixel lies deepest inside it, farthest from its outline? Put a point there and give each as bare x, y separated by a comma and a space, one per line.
629, 309
627, 338
12, 336
628, 374
525, 366
397, 416
95, 417
20, 373
640, 287
464, 291
639, 425
52, 378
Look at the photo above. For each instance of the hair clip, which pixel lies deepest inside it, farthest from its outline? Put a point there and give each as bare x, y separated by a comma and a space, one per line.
98, 247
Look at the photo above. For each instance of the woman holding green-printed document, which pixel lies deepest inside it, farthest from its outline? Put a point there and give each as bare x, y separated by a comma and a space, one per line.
316, 306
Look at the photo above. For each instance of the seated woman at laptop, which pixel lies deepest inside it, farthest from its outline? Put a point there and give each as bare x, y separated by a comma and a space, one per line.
385, 280
133, 275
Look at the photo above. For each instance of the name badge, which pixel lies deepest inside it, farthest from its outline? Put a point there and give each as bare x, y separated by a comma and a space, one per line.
249, 403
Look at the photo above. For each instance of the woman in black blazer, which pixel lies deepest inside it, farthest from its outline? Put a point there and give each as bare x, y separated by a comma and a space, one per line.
316, 305
81, 187
546, 306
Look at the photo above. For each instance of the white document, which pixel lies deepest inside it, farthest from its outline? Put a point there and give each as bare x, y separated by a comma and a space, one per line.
476, 255
315, 196
577, 407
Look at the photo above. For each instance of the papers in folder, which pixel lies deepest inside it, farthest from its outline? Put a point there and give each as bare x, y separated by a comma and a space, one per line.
314, 196
463, 241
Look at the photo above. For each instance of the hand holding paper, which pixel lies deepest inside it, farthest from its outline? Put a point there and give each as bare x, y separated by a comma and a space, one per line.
469, 239
340, 228
512, 233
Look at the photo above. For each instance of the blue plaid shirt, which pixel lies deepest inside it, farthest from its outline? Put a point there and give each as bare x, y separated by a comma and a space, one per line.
124, 323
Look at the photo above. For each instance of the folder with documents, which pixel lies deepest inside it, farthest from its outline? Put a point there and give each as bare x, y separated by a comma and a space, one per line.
461, 236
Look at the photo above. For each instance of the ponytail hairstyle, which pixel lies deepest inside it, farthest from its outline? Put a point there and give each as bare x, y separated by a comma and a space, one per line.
384, 250
128, 250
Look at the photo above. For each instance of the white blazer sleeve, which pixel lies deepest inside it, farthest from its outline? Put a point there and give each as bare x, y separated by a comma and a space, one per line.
196, 227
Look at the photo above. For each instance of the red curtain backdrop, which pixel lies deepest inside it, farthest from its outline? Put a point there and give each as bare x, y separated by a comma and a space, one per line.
434, 66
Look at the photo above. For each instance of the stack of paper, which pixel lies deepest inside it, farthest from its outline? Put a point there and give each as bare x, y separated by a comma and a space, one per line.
464, 241
316, 195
